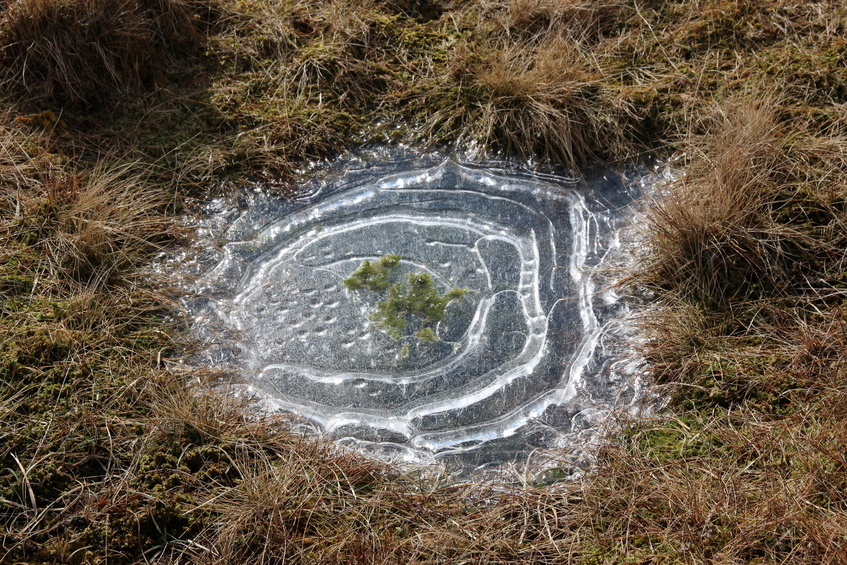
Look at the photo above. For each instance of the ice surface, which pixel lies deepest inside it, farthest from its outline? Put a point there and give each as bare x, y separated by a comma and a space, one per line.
529, 355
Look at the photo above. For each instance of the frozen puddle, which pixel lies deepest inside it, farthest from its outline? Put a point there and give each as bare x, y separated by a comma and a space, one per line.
532, 356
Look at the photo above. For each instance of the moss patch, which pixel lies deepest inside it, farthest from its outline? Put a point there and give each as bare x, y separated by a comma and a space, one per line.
416, 300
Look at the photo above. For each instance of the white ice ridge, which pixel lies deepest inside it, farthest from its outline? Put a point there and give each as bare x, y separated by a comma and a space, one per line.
513, 360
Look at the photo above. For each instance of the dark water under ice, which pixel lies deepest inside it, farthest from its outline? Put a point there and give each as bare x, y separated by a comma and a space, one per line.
533, 357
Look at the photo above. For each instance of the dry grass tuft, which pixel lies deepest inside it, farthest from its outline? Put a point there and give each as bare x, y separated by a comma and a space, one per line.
527, 78
582, 20
299, 78
190, 407
295, 506
710, 238
109, 221
745, 220
747, 259
754, 468
537, 101
537, 97
84, 52
91, 226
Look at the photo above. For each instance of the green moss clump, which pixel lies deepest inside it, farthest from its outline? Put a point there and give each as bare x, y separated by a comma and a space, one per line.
373, 276
416, 298
425, 334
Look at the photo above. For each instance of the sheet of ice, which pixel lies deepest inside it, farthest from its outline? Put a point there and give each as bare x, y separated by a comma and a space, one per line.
528, 358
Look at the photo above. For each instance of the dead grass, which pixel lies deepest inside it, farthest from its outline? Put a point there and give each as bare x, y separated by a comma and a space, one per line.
74, 322
106, 224
297, 506
753, 469
91, 226
536, 94
537, 101
714, 234
746, 258
84, 52
730, 488
582, 21
298, 79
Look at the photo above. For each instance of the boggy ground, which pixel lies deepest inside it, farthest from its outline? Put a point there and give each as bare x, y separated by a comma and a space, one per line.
114, 112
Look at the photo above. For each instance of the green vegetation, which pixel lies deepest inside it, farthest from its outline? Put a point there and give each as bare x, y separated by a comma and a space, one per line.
112, 112
417, 299
373, 276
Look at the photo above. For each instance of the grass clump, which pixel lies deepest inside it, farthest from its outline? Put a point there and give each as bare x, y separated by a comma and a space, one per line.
539, 101
85, 52
536, 96
712, 227
524, 94
81, 336
748, 342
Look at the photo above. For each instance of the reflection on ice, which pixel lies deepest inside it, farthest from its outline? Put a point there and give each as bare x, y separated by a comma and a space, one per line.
528, 357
